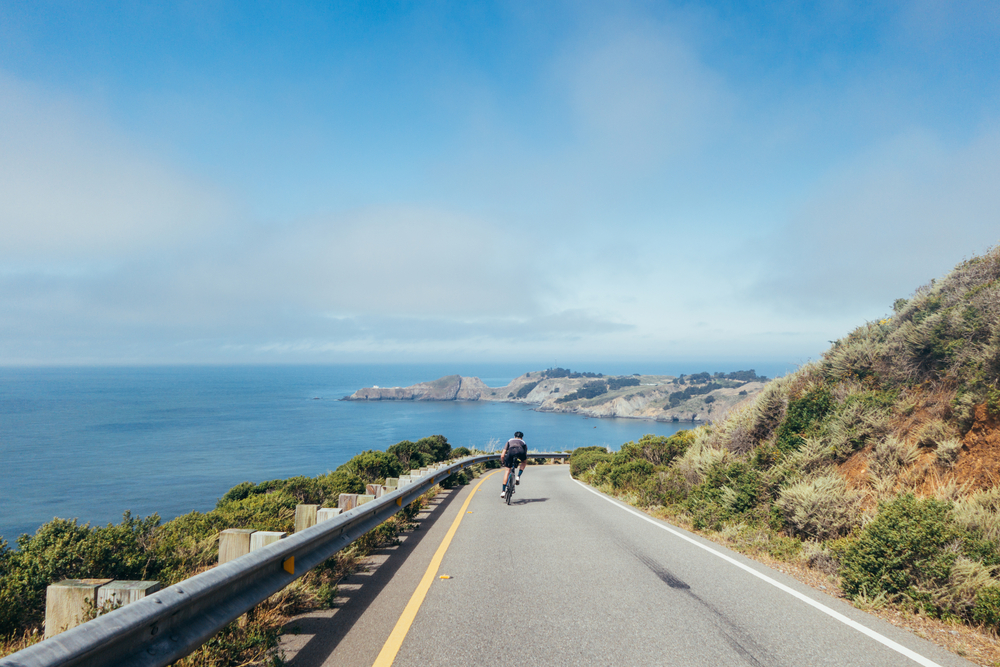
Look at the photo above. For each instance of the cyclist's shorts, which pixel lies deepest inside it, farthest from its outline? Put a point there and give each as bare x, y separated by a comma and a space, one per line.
513, 458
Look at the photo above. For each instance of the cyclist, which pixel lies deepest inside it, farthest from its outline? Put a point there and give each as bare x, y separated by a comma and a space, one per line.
514, 452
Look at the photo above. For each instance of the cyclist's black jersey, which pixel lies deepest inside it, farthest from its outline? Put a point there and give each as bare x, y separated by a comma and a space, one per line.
516, 450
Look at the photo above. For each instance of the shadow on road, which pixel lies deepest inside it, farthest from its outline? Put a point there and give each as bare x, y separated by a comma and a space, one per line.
528, 500
328, 627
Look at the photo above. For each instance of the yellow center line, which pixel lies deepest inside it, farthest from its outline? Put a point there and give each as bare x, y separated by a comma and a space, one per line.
395, 641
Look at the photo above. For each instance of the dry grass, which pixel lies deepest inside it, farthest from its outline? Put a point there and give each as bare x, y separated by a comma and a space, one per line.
820, 508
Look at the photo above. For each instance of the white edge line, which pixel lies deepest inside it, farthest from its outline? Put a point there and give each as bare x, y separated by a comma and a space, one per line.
885, 641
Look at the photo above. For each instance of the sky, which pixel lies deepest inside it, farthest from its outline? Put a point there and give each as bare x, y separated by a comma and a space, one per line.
249, 182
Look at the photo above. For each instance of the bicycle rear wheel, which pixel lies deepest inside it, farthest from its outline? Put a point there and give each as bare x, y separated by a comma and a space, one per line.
510, 488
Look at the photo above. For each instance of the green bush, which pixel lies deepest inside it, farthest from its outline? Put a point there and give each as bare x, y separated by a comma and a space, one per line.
665, 487
585, 458
905, 545
631, 475
460, 452
373, 466
437, 446
456, 479
987, 607
802, 418
657, 449
338, 482
728, 490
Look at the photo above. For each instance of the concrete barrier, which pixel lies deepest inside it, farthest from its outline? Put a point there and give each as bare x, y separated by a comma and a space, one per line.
233, 543
67, 603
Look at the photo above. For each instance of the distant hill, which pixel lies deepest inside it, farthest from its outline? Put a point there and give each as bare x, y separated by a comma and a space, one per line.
693, 398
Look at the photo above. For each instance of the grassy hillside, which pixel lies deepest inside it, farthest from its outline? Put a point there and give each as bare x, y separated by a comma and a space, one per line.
877, 464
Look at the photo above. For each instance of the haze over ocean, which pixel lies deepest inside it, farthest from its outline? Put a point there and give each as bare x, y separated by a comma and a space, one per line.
90, 443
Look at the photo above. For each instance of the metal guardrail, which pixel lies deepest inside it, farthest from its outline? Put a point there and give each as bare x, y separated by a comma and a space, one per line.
175, 621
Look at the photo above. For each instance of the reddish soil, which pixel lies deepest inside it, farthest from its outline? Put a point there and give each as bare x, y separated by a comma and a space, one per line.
979, 463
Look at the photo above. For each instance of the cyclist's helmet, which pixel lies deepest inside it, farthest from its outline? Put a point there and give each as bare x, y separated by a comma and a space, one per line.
518, 434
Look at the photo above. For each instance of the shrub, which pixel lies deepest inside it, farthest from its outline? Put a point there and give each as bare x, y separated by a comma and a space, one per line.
409, 454
658, 450
630, 475
947, 451
372, 466
585, 458
854, 426
665, 487
453, 480
821, 508
986, 609
802, 418
437, 446
903, 545
728, 490
265, 511
460, 452
934, 433
887, 460
338, 482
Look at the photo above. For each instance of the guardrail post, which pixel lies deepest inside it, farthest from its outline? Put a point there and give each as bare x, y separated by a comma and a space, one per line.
262, 538
121, 593
327, 513
392, 483
347, 501
305, 517
366, 498
66, 603
233, 543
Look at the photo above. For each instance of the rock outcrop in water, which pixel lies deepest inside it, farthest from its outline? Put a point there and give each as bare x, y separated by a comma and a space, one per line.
448, 388
658, 397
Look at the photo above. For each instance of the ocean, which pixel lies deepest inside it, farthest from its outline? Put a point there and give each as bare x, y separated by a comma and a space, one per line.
91, 443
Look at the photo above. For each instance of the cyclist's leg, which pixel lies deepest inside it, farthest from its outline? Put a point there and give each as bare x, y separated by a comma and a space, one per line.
523, 464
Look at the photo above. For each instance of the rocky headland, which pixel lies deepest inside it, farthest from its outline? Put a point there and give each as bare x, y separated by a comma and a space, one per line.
692, 398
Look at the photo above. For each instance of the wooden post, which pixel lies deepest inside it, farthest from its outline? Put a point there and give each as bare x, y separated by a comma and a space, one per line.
233, 543
305, 516
66, 603
327, 513
347, 501
262, 538
121, 593
366, 498
391, 482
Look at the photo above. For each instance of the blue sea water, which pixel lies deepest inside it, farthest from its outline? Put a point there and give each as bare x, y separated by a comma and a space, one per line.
90, 443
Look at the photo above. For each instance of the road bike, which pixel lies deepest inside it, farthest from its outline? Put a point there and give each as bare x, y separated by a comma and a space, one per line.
511, 480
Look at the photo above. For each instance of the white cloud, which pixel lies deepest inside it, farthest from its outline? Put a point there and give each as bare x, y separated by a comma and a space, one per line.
72, 188
888, 222
641, 95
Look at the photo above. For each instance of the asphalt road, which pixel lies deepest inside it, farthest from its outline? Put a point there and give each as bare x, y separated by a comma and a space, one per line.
564, 576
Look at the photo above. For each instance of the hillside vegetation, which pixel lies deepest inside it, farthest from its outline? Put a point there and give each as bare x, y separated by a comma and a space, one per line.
878, 464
